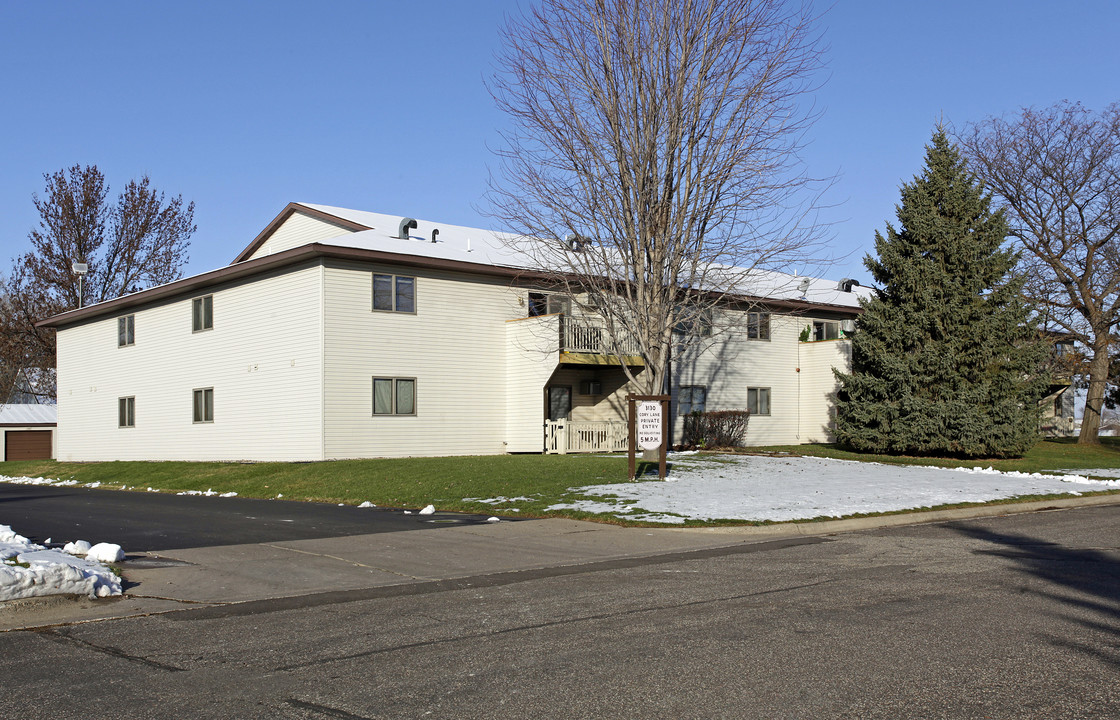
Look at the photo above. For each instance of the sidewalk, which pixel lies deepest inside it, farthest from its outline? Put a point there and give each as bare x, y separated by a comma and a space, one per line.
216, 576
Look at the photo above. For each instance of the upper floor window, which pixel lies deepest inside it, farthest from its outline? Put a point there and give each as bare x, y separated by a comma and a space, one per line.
548, 304
826, 330
202, 313
394, 293
758, 326
126, 330
691, 398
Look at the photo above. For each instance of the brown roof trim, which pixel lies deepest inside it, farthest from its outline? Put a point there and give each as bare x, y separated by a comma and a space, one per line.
315, 251
286, 213
19, 424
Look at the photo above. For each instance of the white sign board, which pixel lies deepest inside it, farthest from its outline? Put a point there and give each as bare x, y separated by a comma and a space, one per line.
649, 425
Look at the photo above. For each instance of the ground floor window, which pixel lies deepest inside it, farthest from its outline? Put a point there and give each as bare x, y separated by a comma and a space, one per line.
394, 396
691, 398
204, 405
758, 401
126, 412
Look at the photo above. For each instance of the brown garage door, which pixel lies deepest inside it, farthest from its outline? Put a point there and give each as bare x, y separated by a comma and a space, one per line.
27, 445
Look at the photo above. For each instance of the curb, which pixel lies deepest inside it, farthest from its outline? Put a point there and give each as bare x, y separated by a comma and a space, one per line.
916, 517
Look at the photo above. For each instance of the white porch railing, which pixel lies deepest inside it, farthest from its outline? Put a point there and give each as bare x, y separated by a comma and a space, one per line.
590, 336
566, 436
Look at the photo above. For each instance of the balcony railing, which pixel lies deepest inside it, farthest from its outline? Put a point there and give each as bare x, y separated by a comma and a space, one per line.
589, 336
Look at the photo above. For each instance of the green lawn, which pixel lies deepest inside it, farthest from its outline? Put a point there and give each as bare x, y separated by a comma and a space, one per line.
531, 482
402, 483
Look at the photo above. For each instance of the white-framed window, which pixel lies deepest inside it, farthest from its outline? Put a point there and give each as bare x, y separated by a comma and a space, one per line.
394, 293
691, 398
126, 330
758, 326
203, 405
202, 313
394, 396
758, 401
126, 412
548, 304
826, 330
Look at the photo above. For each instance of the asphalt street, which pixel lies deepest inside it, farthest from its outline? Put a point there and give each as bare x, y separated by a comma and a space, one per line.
1012, 617
143, 521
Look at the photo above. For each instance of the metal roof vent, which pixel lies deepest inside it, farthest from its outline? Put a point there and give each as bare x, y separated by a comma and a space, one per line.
574, 242
406, 224
435, 234
847, 284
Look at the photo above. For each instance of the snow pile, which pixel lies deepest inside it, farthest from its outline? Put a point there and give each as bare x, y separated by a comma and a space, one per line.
54, 572
749, 487
428, 510
210, 493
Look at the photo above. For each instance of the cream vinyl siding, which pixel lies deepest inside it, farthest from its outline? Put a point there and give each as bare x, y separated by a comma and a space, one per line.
532, 353
299, 229
453, 345
819, 385
608, 405
799, 406
262, 358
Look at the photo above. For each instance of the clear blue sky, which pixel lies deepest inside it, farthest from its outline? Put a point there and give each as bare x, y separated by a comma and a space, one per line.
245, 106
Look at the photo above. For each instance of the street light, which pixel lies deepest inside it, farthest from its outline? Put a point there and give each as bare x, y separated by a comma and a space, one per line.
80, 269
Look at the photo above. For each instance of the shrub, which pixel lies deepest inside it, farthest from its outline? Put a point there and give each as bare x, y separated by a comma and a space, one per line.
724, 428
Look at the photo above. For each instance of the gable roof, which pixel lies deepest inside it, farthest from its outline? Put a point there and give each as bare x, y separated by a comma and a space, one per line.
373, 237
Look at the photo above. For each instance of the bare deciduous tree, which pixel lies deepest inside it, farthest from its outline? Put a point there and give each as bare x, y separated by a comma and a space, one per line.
1056, 172
656, 142
138, 242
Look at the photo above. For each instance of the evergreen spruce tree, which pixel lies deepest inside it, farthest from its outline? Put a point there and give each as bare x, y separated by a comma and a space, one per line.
947, 360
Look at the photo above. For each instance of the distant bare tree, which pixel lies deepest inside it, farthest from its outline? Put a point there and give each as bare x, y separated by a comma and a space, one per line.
1057, 173
138, 242
656, 143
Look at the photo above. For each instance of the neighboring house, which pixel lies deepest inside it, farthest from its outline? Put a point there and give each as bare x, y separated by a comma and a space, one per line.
343, 334
1058, 406
28, 431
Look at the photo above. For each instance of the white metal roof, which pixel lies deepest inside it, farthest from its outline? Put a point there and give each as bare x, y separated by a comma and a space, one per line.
486, 247
28, 414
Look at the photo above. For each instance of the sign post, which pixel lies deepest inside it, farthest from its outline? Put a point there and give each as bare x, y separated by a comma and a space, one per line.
649, 427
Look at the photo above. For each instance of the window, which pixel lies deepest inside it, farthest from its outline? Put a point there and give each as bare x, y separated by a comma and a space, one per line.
590, 387
758, 401
204, 405
126, 330
394, 396
126, 412
824, 330
758, 326
697, 323
202, 313
394, 293
691, 398
546, 304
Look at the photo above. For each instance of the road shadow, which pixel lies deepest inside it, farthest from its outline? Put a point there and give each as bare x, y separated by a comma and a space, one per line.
1084, 582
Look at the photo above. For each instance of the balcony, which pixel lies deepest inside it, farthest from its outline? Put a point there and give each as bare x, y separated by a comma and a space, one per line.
587, 342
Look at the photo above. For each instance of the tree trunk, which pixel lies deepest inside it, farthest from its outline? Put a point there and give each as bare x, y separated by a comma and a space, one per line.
1098, 377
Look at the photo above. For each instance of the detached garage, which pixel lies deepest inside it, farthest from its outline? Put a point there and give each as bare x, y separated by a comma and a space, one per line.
28, 431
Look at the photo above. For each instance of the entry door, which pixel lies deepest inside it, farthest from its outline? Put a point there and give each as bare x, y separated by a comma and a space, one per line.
559, 402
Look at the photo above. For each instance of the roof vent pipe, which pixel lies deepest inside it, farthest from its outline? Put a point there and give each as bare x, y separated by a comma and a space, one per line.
847, 284
406, 224
435, 234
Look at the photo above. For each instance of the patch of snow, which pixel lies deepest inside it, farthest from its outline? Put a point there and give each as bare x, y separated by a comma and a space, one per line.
753, 487
210, 493
500, 500
77, 547
367, 504
428, 510
493, 519
105, 553
50, 572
